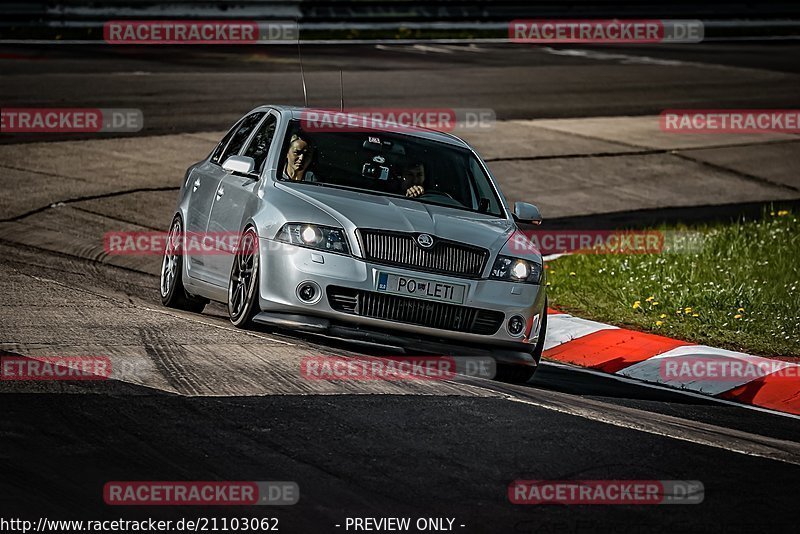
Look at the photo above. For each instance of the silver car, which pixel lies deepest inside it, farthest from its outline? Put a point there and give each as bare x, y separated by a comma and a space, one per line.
397, 236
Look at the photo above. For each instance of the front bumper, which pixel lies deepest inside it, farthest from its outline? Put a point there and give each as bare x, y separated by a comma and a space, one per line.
284, 267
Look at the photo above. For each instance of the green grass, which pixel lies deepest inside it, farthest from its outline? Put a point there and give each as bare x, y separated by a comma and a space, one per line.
739, 288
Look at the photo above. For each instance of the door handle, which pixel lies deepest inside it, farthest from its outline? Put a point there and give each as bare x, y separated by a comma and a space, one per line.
220, 192
196, 185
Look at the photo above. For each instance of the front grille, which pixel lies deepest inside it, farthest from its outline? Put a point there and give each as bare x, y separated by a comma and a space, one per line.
444, 257
415, 311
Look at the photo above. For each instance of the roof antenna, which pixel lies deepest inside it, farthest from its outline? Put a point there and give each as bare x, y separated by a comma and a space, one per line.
341, 92
302, 73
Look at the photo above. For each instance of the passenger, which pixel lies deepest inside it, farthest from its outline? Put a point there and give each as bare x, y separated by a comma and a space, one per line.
413, 180
298, 159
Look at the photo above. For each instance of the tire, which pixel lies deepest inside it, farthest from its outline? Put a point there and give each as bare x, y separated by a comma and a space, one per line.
521, 374
514, 374
173, 293
243, 283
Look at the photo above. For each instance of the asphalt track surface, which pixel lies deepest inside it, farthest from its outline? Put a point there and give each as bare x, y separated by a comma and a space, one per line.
188, 89
214, 403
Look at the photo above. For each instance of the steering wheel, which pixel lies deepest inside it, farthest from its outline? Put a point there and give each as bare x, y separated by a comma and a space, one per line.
438, 193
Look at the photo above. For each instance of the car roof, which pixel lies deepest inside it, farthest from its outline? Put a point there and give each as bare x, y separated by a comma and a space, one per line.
413, 131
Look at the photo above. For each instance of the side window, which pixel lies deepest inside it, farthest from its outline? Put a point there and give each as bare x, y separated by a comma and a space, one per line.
217, 154
484, 189
240, 137
259, 147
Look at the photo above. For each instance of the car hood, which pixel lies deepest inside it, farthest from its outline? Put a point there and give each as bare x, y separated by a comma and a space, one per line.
353, 209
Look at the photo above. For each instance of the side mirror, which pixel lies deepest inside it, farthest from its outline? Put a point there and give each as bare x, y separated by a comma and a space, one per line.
242, 165
527, 213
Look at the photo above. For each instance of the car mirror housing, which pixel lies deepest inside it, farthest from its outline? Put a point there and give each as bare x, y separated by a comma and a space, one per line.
527, 213
242, 165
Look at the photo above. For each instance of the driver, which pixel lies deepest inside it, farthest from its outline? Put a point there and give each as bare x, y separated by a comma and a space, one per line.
413, 180
298, 159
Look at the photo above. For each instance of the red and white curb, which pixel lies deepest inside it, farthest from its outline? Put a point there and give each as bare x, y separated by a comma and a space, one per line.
767, 383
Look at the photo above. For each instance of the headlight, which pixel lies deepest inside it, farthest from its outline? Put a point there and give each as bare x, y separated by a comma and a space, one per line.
314, 236
516, 270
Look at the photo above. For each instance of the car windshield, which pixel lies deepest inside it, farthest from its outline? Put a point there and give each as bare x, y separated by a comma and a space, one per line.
389, 163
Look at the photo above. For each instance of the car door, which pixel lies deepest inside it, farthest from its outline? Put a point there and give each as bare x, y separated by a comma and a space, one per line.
236, 198
202, 184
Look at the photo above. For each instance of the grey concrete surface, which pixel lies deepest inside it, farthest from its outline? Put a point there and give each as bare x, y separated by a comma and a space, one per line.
41, 174
644, 132
585, 186
519, 139
608, 164
777, 163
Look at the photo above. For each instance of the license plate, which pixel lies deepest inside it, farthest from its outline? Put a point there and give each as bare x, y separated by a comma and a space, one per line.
421, 288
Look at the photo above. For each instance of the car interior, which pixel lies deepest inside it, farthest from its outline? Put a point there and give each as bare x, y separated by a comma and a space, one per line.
377, 161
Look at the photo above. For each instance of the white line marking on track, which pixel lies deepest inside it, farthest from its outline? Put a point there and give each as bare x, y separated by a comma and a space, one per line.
668, 426
437, 48
688, 393
730, 440
623, 58
628, 59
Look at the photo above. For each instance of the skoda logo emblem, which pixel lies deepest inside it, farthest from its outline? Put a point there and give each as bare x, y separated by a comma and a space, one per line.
424, 240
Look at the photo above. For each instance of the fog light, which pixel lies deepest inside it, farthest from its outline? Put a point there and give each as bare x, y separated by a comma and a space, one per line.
516, 325
308, 292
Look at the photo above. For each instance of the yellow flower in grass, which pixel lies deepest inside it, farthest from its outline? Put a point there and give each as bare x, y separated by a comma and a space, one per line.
678, 312
740, 310
649, 299
654, 303
662, 316
637, 305
737, 316
572, 273
687, 310
782, 213
659, 323
695, 315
